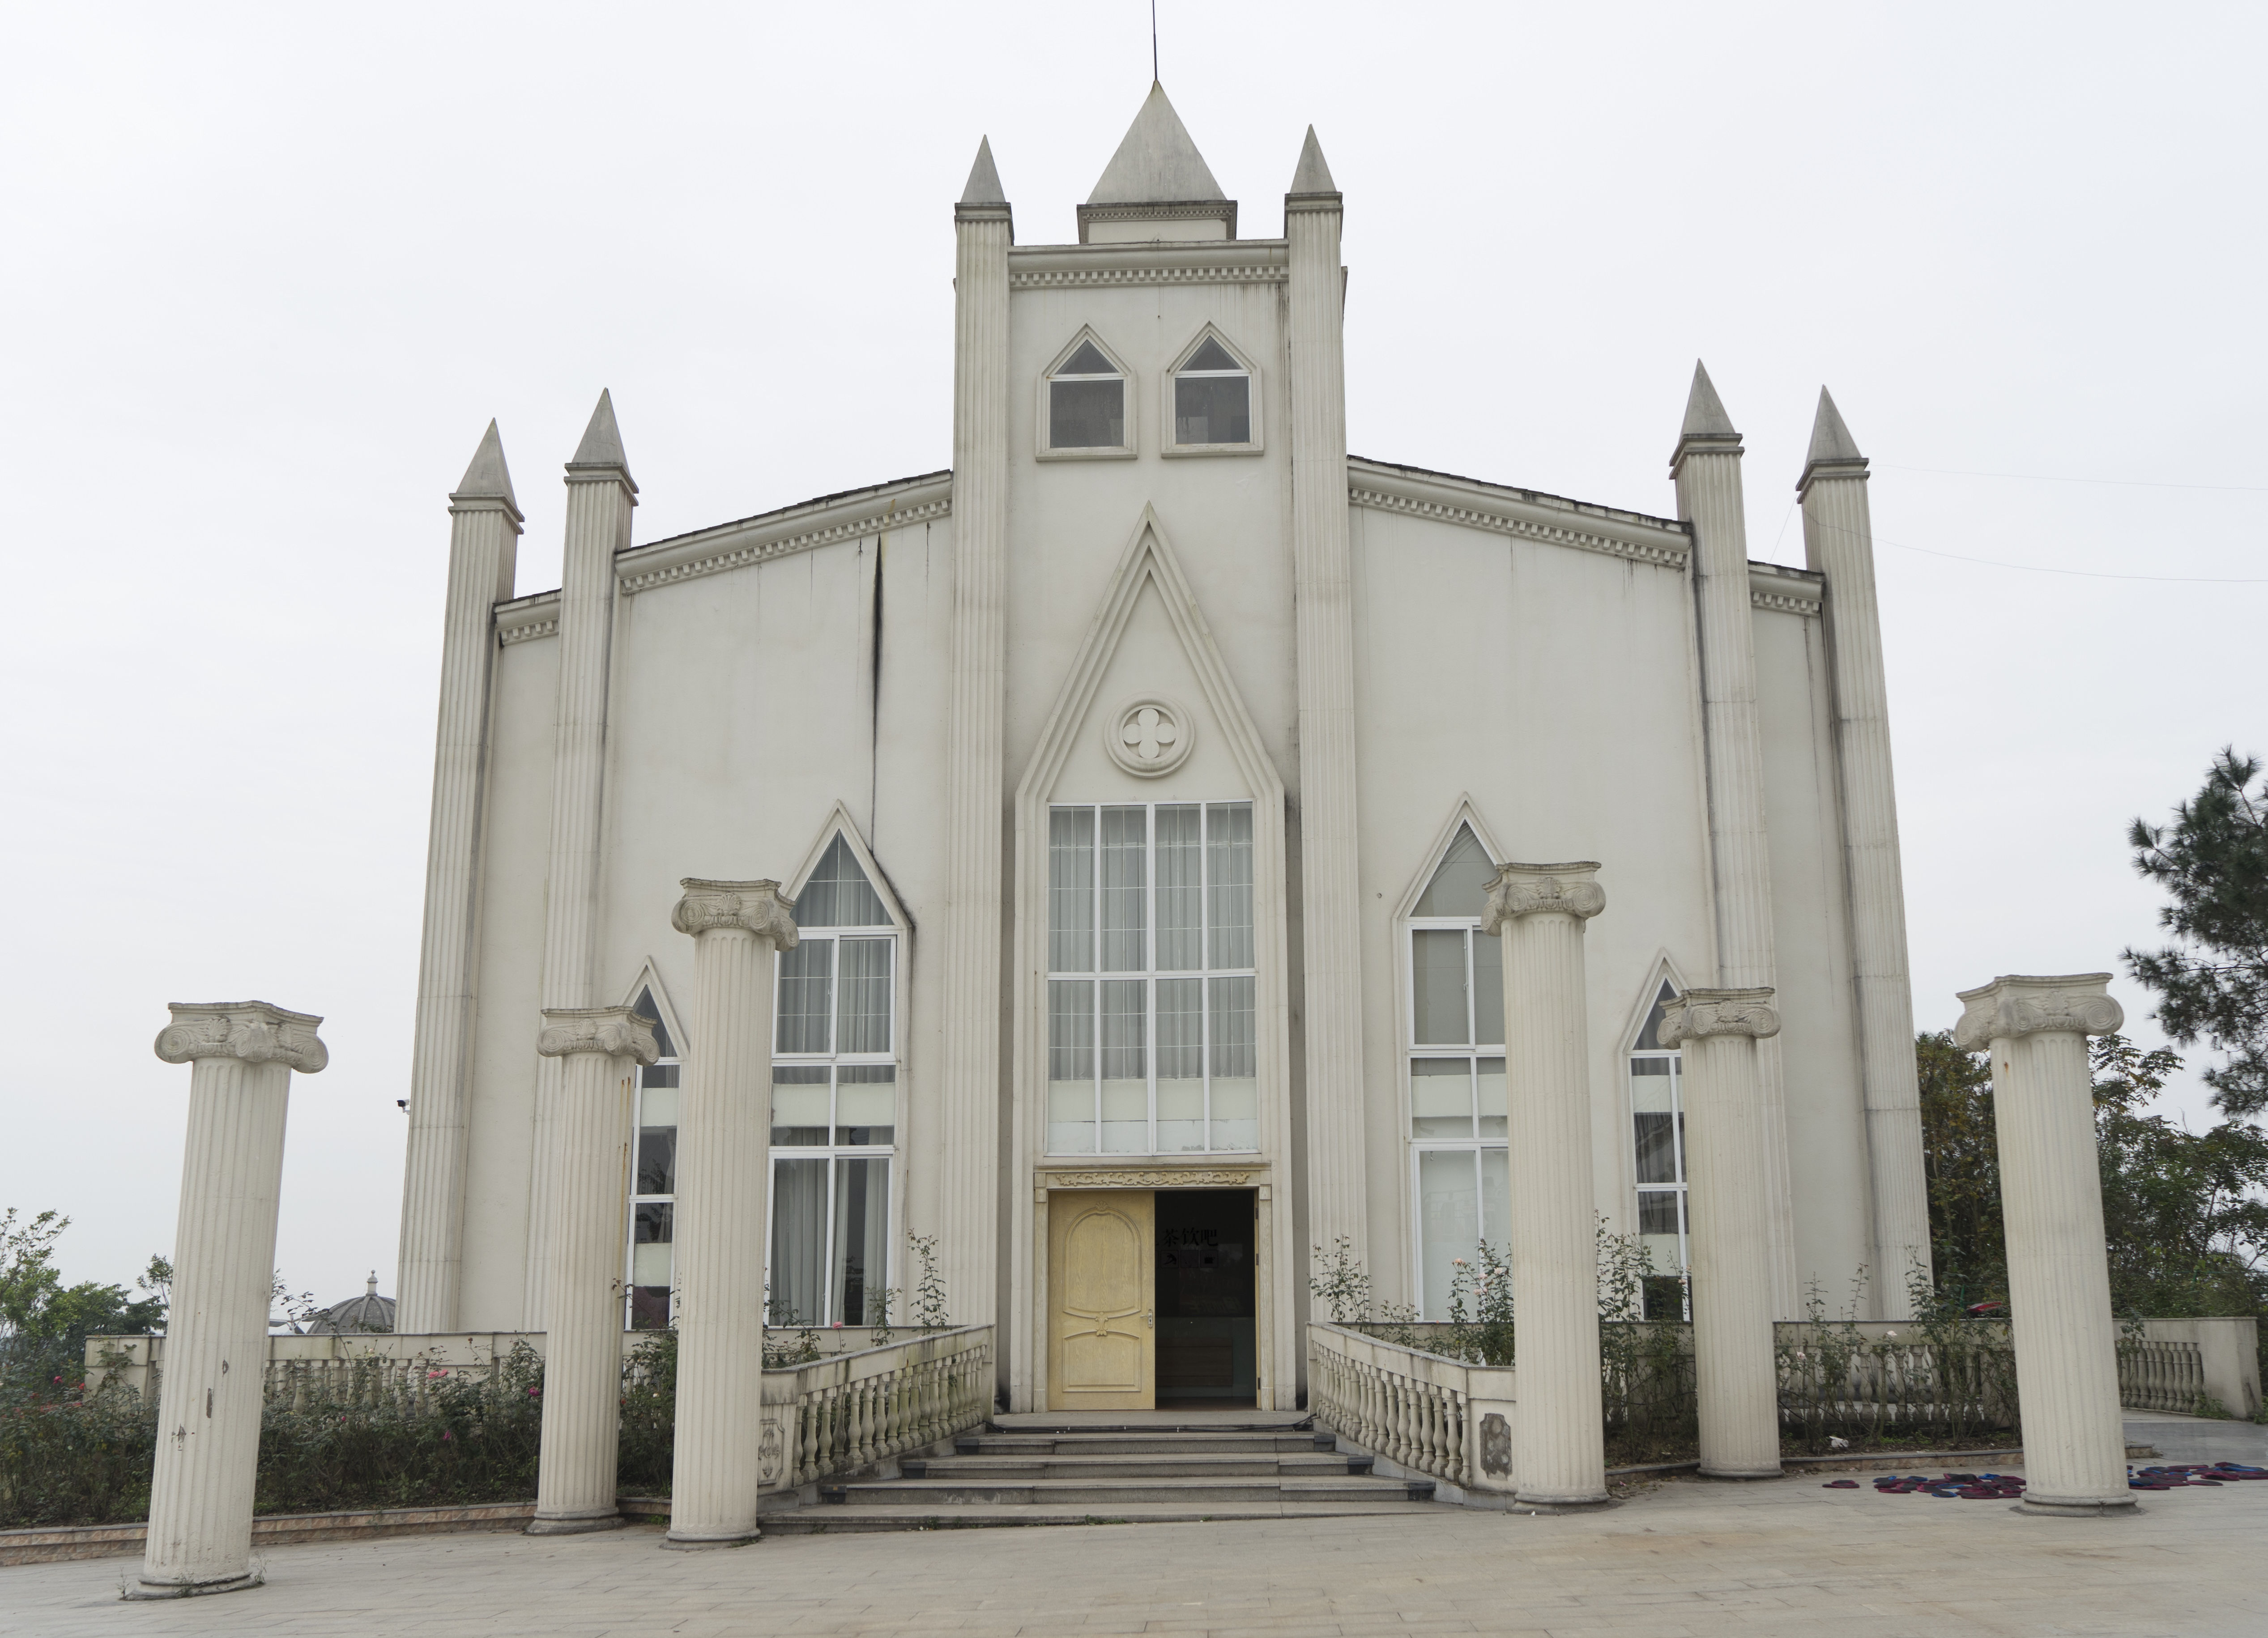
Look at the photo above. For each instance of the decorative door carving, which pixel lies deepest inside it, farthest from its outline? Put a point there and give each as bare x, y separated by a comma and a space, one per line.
1102, 1300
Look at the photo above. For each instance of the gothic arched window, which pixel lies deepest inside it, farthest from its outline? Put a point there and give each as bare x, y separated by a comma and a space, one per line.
1213, 399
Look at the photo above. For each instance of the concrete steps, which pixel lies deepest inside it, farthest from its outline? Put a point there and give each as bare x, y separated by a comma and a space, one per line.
1034, 1474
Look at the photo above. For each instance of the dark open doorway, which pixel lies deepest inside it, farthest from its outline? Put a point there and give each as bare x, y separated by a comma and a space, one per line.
1205, 1351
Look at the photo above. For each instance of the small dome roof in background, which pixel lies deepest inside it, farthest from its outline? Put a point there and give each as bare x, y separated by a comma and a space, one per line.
362, 1314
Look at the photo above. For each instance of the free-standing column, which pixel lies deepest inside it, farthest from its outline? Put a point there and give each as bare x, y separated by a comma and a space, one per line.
1322, 571
1560, 1459
1707, 469
598, 1050
200, 1536
483, 546
1838, 540
968, 1073
1726, 1144
724, 1167
599, 496
2051, 1206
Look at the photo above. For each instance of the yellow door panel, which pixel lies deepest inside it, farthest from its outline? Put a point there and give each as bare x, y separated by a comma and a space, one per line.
1101, 1281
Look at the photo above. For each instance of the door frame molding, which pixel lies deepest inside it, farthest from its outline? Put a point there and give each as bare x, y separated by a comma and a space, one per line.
1272, 1389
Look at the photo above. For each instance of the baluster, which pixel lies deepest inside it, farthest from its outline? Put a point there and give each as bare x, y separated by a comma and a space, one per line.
807, 1430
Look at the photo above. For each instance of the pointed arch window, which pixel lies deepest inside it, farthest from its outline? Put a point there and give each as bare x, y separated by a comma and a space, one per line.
653, 1178
1086, 403
1461, 1171
1212, 399
834, 1100
1658, 1151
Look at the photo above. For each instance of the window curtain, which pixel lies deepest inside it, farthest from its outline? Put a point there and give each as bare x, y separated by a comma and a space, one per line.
798, 1294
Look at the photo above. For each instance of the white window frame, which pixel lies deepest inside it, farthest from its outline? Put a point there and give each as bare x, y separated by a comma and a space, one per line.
648, 984
1676, 1059
1043, 416
1169, 444
1150, 974
1471, 1056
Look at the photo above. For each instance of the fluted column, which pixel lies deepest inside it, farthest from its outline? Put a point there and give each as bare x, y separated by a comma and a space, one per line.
1322, 572
599, 496
2052, 1207
1718, 1031
1707, 466
1839, 539
483, 547
242, 1054
1560, 1457
598, 1050
724, 1173
968, 1073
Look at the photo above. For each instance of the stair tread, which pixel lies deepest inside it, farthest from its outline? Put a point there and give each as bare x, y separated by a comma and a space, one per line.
1286, 1482
1105, 1461
819, 1519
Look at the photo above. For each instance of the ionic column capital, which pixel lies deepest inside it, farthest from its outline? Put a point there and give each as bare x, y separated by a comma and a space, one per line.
257, 1031
616, 1032
1518, 890
1699, 1013
755, 907
2016, 1004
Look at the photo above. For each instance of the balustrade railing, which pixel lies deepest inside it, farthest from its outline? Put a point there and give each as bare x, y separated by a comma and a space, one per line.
2156, 1374
1424, 1413
838, 1415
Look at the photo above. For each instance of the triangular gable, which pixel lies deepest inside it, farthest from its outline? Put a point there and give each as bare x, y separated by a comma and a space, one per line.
1149, 562
839, 823
1642, 1003
1461, 814
649, 982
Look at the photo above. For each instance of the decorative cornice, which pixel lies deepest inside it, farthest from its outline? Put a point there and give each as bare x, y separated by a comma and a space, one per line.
1223, 210
1071, 278
257, 1031
1700, 1013
616, 1032
754, 907
1521, 890
1186, 261
1785, 591
793, 529
522, 620
1520, 513
1152, 1178
2016, 1004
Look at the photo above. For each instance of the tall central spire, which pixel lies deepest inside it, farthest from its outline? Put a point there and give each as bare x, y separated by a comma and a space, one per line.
1157, 186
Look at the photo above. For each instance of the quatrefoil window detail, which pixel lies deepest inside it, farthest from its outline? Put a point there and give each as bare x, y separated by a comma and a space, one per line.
1149, 736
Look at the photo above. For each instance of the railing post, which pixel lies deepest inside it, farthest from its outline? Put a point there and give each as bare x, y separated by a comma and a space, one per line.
2051, 1198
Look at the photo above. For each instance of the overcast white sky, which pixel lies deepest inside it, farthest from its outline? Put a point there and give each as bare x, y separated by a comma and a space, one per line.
269, 271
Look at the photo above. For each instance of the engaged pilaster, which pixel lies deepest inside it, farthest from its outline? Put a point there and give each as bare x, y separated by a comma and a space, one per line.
484, 525
1707, 466
968, 1070
600, 495
598, 1050
1539, 911
2051, 1204
723, 1169
1726, 1142
242, 1054
1323, 570
1838, 540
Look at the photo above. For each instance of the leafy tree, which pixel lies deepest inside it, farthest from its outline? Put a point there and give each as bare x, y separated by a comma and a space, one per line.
1960, 1159
2213, 986
36, 1306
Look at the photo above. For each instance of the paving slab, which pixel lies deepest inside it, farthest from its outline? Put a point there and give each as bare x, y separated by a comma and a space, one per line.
1769, 1560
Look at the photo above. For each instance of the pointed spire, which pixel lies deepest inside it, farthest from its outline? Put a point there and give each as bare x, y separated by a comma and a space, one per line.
488, 478
1312, 176
602, 440
983, 179
1704, 411
1157, 162
1830, 439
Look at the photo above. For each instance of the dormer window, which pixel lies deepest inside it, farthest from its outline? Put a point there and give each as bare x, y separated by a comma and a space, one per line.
1086, 403
1212, 401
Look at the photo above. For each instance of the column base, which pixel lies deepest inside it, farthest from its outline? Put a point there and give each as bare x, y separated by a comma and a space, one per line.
141, 1589
573, 1524
1773, 1472
2078, 1507
1549, 1505
676, 1543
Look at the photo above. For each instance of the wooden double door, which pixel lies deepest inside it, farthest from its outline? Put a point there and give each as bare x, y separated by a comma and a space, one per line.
1109, 1322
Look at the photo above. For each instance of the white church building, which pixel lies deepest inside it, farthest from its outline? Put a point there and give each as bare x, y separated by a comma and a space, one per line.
1137, 783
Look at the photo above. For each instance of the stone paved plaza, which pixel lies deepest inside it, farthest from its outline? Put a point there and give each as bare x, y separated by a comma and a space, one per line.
1686, 1558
